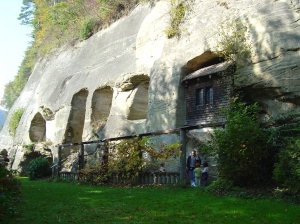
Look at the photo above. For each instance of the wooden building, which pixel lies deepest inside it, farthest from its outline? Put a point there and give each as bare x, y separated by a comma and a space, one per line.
207, 90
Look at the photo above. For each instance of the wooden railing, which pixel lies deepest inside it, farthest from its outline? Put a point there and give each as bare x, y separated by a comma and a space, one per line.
143, 178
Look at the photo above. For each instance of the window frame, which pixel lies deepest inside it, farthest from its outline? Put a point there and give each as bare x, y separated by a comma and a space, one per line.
205, 96
200, 99
209, 95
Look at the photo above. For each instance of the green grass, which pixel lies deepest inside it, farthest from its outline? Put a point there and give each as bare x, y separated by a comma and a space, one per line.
51, 202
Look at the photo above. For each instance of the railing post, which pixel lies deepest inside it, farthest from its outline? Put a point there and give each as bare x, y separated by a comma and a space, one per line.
58, 161
183, 156
81, 157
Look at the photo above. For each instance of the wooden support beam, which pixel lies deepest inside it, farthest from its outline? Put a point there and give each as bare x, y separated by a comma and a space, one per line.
59, 161
81, 157
183, 156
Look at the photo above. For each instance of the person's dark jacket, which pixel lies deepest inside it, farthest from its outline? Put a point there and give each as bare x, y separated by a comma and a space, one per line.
188, 163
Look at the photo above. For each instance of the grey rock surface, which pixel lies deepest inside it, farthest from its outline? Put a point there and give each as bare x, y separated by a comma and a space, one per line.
136, 71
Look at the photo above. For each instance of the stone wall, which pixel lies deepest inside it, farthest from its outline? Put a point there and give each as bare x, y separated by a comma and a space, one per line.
128, 76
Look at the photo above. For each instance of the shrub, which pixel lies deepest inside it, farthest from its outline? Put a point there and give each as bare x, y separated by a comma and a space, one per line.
177, 13
30, 147
233, 43
38, 168
219, 187
9, 192
287, 169
240, 149
14, 121
86, 29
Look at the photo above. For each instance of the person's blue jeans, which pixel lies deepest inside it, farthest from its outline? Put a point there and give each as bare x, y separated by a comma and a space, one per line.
192, 176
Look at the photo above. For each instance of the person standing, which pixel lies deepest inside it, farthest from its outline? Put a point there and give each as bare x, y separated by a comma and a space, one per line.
198, 175
190, 164
205, 173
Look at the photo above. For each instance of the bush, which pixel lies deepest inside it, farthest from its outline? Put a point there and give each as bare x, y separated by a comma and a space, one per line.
14, 121
232, 43
219, 187
30, 147
177, 13
9, 192
241, 148
287, 169
86, 29
38, 168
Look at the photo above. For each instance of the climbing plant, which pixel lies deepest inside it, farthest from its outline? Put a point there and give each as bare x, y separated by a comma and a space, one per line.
128, 158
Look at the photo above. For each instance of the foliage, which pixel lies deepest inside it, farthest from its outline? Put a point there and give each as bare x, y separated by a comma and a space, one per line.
68, 22
26, 14
128, 158
94, 174
53, 202
30, 147
241, 151
225, 188
38, 168
287, 169
15, 119
86, 29
284, 137
177, 13
9, 192
111, 10
219, 187
232, 43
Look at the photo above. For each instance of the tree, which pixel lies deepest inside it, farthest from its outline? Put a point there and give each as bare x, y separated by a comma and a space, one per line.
27, 12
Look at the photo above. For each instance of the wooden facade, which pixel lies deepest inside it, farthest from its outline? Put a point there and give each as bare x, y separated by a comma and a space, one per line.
206, 92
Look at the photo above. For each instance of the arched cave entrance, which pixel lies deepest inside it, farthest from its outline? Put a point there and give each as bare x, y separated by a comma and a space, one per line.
37, 131
77, 116
101, 104
139, 107
206, 59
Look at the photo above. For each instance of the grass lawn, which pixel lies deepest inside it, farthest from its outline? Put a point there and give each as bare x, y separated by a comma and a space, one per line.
49, 202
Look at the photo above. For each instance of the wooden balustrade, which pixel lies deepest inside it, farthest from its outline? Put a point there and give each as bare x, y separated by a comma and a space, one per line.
143, 178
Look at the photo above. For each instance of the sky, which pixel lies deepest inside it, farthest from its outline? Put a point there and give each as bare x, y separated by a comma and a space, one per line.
14, 40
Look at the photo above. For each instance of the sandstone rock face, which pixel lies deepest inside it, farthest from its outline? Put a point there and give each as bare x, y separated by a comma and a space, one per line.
126, 79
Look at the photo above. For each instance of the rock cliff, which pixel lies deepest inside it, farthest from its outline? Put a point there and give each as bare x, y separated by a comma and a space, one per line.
126, 79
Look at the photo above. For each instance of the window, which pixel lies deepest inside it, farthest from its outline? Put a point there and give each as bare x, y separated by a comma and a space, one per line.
209, 95
206, 98
200, 97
